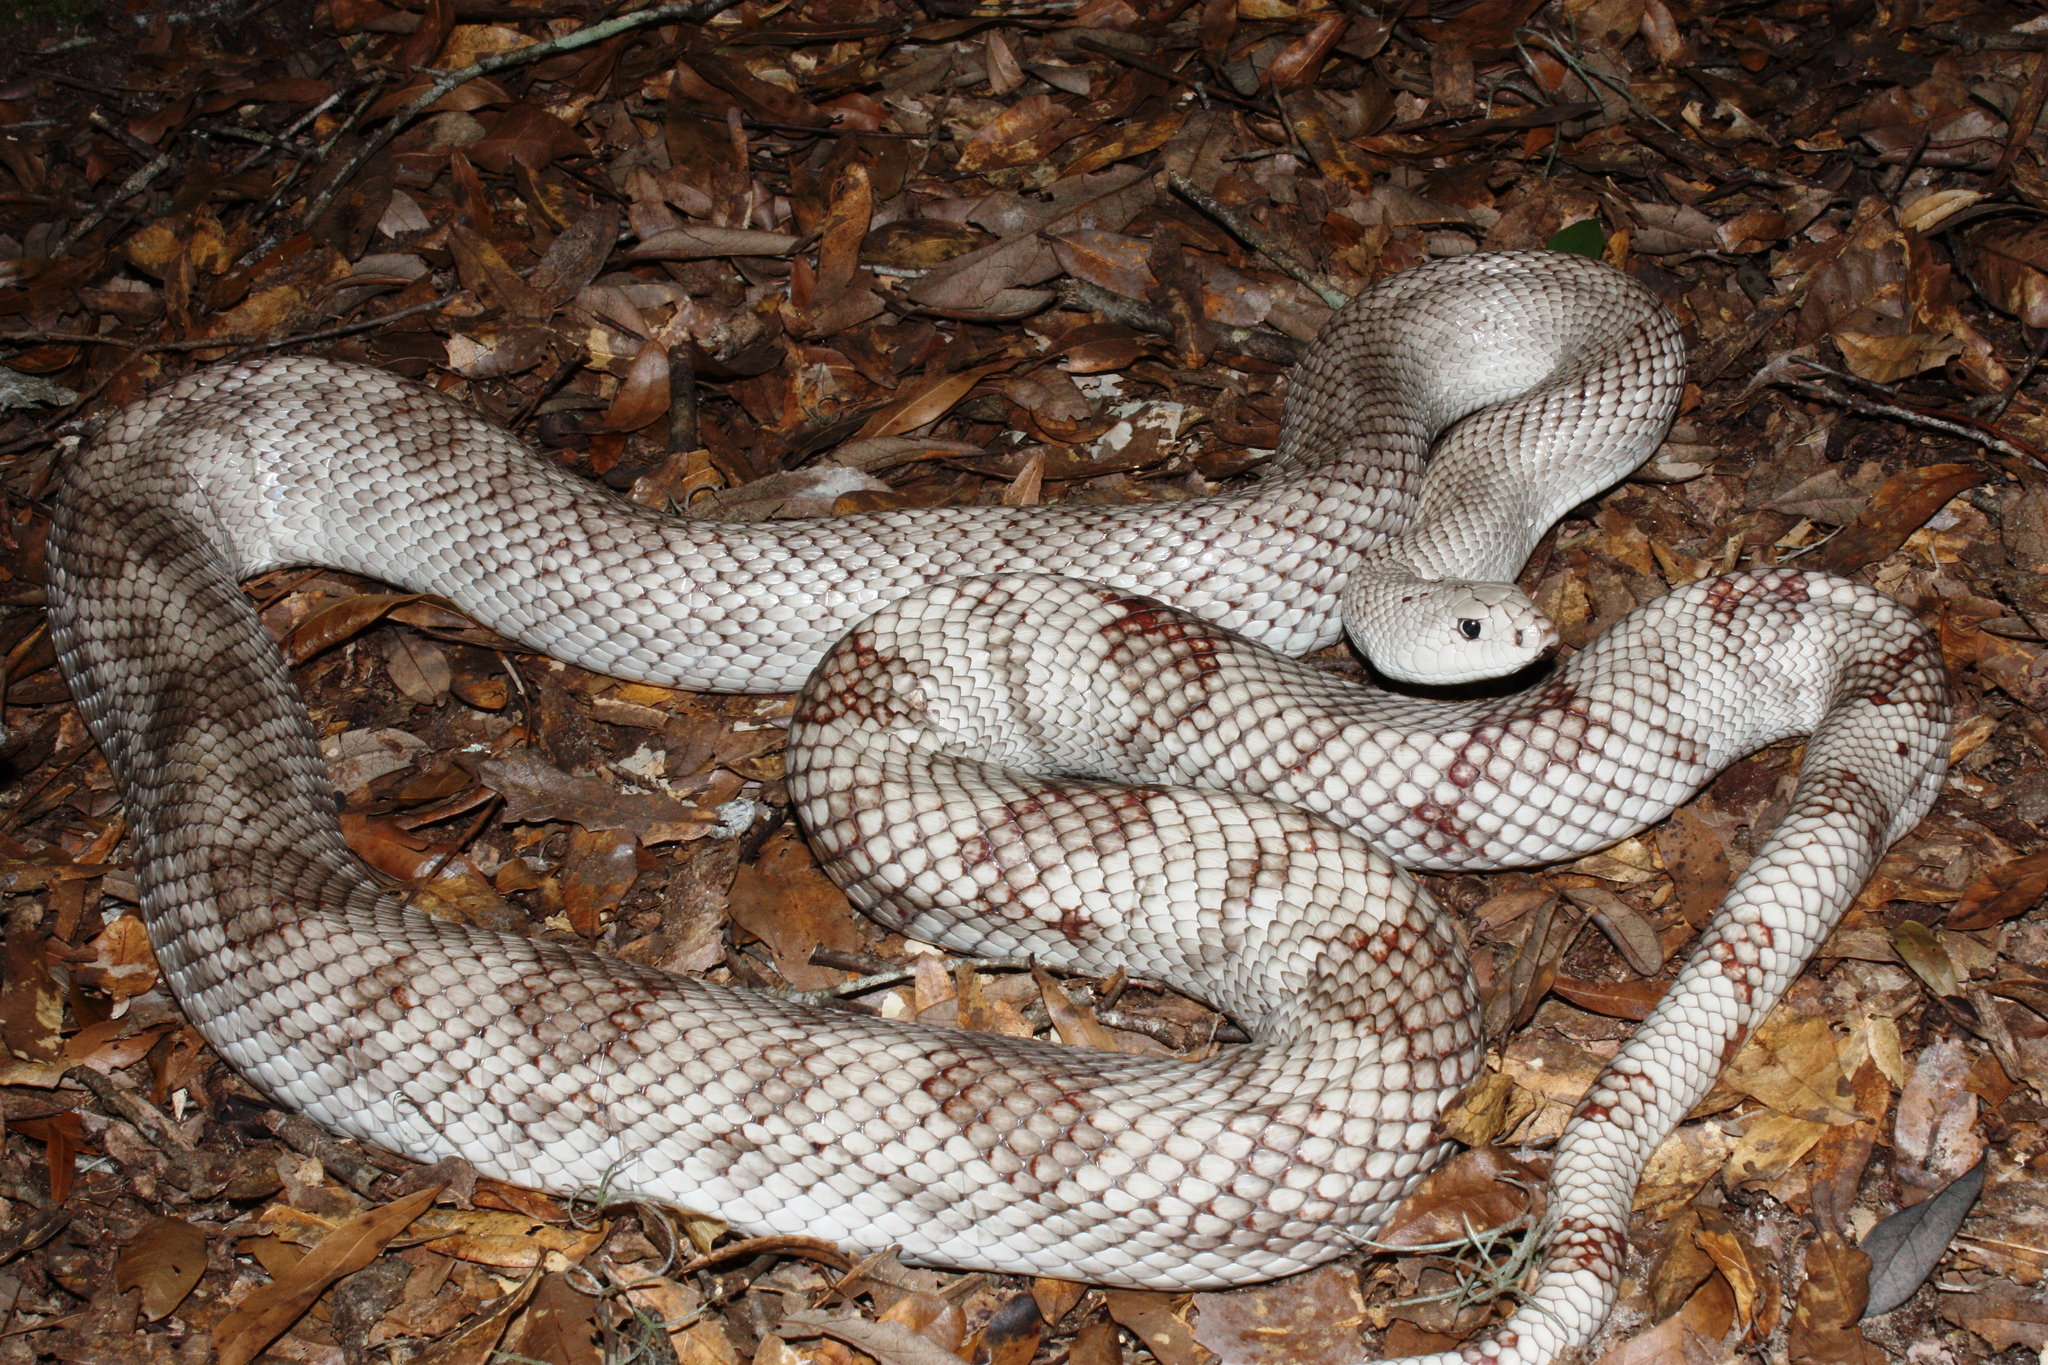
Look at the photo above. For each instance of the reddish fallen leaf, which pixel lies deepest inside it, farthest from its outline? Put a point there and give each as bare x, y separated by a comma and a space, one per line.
1831, 1299
264, 1315
1297, 65
597, 873
61, 1135
1901, 506
1308, 1320
1615, 999
164, 1260
644, 396
783, 899
1472, 1192
2004, 891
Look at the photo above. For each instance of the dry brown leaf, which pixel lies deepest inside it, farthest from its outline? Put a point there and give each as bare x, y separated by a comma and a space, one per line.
1025, 131
1615, 999
1311, 1319
1056, 1298
927, 402
576, 256
2004, 1313
264, 1315
1793, 1065
598, 871
417, 667
476, 1342
122, 964
525, 136
535, 792
1770, 1146
1474, 1191
559, 1326
1831, 1300
2004, 891
1902, 505
1150, 1317
1696, 859
62, 1135
1013, 1335
2009, 260
164, 1260
783, 899
1111, 260
1935, 1131
644, 396
702, 243
889, 1343
1887, 359
1077, 1025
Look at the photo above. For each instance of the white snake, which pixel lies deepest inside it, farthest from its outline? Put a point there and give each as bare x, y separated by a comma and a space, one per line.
1008, 762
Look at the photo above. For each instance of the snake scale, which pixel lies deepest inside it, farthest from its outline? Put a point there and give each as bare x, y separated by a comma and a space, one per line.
1064, 732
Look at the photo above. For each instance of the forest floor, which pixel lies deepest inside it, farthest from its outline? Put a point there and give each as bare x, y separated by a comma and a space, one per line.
806, 257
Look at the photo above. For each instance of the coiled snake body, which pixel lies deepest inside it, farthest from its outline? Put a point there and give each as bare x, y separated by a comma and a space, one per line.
1005, 761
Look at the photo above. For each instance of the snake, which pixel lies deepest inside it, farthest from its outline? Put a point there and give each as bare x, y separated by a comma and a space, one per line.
1077, 734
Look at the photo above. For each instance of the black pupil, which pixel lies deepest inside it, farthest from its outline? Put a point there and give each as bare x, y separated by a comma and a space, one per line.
1469, 629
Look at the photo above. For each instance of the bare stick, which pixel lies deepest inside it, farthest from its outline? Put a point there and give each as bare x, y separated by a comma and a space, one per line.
693, 12
1242, 228
1152, 68
227, 343
1963, 428
135, 184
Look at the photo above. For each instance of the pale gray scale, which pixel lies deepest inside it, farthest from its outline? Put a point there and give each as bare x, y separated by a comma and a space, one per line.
1021, 764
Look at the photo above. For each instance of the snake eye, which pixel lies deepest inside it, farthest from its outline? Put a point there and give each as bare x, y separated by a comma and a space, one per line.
1470, 629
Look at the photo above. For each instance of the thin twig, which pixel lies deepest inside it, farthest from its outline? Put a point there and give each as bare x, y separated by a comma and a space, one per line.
440, 864
129, 188
1964, 428
1560, 50
293, 172
1165, 73
38, 338
693, 12
292, 129
121, 135
1997, 407
267, 141
346, 329
1328, 290
1273, 347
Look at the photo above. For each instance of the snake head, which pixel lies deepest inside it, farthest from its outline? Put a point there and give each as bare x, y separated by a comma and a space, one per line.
1447, 631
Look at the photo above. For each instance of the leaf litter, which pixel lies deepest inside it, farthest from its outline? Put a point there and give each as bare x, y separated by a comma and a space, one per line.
805, 257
